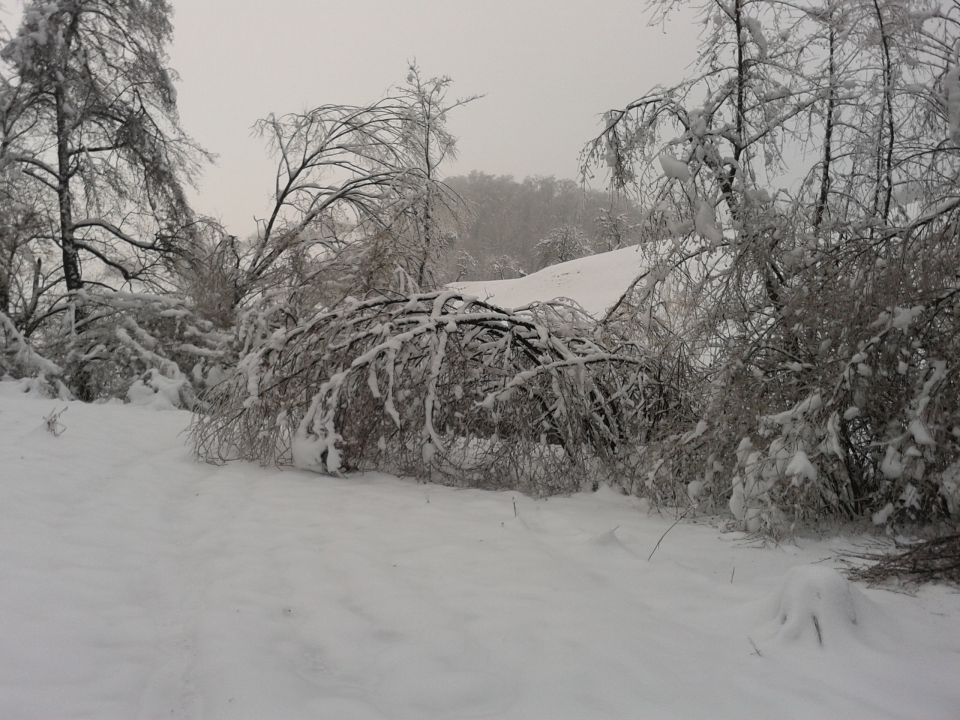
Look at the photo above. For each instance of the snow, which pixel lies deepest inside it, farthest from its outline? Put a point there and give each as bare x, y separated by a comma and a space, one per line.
594, 282
892, 464
881, 516
756, 34
705, 223
817, 605
157, 391
920, 433
137, 583
673, 168
904, 317
801, 467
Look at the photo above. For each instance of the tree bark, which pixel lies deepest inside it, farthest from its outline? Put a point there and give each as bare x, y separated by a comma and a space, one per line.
828, 135
68, 248
71, 254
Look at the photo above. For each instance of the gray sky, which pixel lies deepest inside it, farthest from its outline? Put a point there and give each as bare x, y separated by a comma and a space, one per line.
548, 68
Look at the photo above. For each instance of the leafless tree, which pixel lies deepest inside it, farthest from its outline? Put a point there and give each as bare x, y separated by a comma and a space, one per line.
351, 179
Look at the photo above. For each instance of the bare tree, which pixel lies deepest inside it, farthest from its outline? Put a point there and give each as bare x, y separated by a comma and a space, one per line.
353, 182
430, 144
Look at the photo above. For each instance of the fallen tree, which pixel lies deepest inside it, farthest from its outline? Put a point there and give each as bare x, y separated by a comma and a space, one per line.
437, 385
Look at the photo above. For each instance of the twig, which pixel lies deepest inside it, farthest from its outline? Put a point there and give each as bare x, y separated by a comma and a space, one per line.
675, 523
54, 426
929, 561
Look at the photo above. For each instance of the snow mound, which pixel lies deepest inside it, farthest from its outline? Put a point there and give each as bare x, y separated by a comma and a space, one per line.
157, 391
817, 605
609, 540
594, 282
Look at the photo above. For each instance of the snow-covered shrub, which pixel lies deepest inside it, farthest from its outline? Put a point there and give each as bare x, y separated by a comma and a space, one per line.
20, 361
851, 408
894, 431
132, 346
815, 605
437, 385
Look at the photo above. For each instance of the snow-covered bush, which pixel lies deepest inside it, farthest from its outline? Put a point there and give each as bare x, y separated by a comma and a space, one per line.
437, 385
20, 361
852, 409
133, 347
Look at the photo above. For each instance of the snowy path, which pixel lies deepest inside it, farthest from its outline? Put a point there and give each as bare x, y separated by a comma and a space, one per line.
135, 583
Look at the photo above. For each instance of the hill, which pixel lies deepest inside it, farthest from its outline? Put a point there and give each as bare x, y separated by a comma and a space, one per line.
595, 282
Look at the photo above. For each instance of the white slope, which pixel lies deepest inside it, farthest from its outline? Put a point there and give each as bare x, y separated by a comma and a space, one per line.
136, 583
595, 282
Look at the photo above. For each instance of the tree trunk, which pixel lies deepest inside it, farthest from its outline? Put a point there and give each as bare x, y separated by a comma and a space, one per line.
4, 291
81, 382
7, 244
828, 135
427, 227
68, 248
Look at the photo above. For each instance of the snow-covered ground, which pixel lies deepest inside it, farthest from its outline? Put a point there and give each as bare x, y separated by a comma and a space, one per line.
136, 583
595, 282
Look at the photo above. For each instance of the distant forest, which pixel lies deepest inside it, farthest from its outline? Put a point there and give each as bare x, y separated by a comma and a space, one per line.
509, 228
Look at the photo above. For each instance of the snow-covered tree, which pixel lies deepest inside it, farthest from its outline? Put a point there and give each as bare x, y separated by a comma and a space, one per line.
93, 164
614, 230
567, 242
21, 274
507, 217
807, 172
91, 119
504, 267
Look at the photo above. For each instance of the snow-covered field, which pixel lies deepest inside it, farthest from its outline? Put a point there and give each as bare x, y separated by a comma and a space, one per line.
595, 282
135, 583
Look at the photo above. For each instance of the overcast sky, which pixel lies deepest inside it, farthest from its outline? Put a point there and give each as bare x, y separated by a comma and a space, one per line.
548, 68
